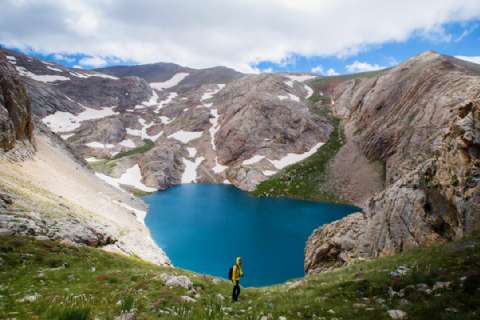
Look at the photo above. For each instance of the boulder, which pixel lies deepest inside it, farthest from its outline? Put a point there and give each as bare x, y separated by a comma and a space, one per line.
172, 280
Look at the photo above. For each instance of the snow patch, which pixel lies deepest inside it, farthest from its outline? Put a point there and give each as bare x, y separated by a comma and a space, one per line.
218, 168
172, 82
253, 160
192, 152
190, 173
11, 59
132, 177
66, 136
128, 143
206, 105
93, 74
292, 158
309, 91
289, 96
54, 69
143, 131
163, 103
150, 102
165, 120
98, 145
186, 136
41, 78
210, 93
269, 173
214, 128
92, 159
62, 121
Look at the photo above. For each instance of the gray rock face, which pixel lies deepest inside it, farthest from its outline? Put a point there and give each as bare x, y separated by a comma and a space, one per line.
99, 92
162, 166
47, 99
15, 108
215, 125
432, 164
255, 118
154, 72
110, 130
70, 229
160, 72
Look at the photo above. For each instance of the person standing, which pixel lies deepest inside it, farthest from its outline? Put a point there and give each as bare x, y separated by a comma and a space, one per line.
237, 273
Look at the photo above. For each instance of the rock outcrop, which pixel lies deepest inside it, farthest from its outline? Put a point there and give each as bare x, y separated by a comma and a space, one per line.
179, 125
15, 109
422, 120
49, 192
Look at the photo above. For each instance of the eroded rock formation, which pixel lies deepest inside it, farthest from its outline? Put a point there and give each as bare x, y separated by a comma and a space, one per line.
15, 108
422, 120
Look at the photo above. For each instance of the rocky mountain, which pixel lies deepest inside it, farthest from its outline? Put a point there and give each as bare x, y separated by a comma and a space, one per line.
140, 132
181, 78
183, 125
46, 189
420, 121
407, 154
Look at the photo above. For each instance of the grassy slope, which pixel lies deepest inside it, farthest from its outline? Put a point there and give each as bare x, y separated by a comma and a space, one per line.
307, 179
106, 166
361, 291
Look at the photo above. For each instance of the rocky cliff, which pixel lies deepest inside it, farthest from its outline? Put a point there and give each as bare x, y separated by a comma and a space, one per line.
164, 124
15, 109
49, 192
420, 120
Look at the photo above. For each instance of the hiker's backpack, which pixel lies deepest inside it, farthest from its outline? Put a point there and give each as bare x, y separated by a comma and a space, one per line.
230, 273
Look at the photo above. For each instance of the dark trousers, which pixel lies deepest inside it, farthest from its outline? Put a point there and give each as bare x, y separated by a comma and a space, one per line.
236, 291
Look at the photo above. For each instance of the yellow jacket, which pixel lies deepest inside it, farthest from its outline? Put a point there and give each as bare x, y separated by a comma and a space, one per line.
237, 272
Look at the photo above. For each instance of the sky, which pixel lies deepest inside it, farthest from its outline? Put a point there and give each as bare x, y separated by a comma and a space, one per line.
326, 37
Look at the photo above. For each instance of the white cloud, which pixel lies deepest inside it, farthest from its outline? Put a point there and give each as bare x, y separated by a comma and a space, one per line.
63, 58
95, 62
474, 59
436, 34
235, 33
332, 72
318, 70
358, 66
466, 32
267, 70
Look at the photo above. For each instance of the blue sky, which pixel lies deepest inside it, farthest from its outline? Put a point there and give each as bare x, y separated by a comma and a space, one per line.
456, 39
323, 36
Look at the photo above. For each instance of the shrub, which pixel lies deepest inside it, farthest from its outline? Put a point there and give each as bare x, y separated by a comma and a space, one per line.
68, 313
127, 303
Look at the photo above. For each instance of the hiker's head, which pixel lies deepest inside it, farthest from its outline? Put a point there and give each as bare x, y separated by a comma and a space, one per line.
239, 260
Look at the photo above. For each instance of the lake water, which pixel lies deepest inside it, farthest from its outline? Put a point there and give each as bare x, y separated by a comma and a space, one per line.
204, 227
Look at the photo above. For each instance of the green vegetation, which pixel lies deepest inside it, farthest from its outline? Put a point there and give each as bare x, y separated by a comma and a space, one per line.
107, 166
148, 144
306, 179
48, 280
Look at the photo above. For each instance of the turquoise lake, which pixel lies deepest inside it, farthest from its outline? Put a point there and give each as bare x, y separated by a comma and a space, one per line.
203, 227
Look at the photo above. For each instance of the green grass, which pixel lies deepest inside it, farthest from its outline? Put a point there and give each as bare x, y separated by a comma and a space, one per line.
306, 179
148, 144
107, 166
92, 284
